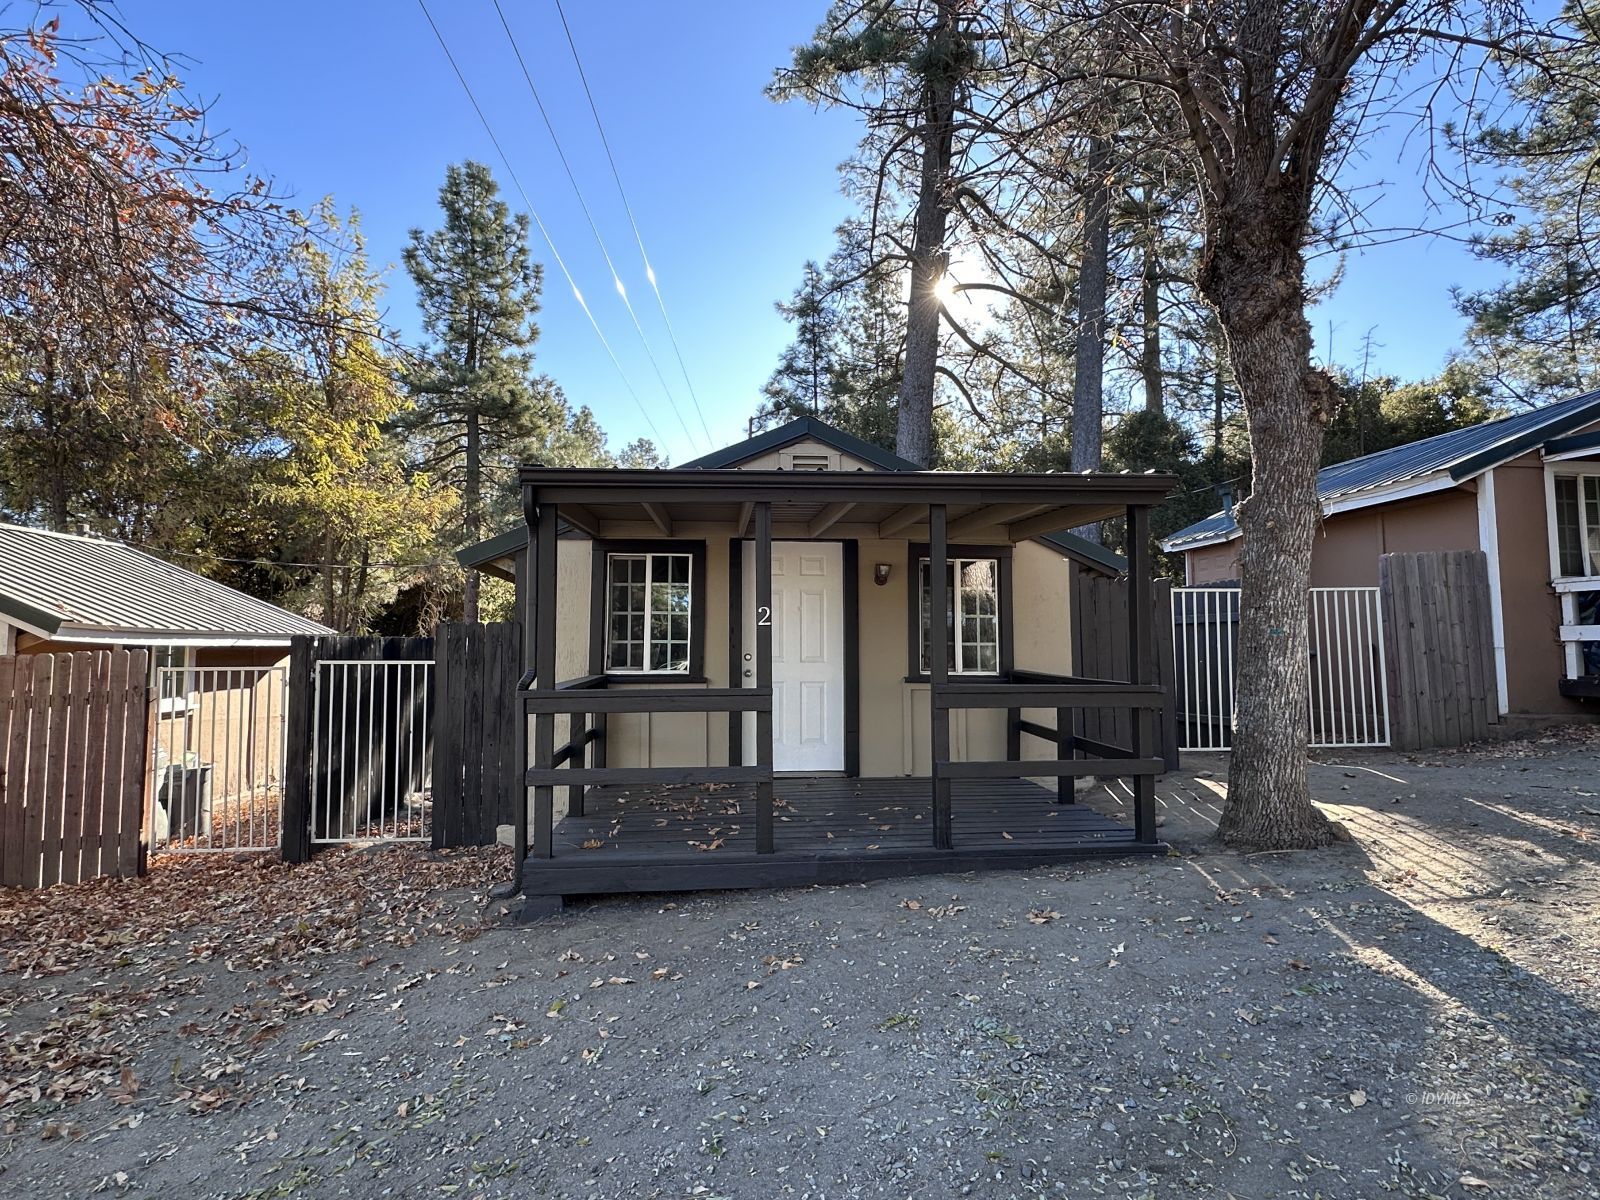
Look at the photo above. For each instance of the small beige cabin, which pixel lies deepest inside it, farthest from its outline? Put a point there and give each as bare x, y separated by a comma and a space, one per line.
762, 616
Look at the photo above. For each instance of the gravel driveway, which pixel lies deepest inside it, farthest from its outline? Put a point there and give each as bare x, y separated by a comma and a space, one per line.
1413, 1014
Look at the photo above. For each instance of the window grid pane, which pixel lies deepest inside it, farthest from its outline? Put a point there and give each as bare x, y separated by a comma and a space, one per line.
973, 642
648, 620
1569, 530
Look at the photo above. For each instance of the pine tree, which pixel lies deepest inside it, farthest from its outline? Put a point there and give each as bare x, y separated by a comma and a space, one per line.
803, 383
1538, 335
478, 403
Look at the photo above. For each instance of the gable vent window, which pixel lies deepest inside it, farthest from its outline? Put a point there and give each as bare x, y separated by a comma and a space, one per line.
809, 462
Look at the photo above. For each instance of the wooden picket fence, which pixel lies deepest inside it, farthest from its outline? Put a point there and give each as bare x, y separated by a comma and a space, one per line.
73, 762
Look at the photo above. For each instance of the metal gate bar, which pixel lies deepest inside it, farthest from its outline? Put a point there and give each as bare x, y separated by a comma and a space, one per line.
217, 761
371, 768
1347, 692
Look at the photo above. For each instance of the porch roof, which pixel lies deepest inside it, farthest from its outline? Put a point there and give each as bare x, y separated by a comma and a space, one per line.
1019, 506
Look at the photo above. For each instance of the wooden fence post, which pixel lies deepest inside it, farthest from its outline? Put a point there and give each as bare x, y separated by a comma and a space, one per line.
294, 839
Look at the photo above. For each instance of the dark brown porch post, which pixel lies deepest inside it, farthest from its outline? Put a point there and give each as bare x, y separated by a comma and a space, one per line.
1139, 664
544, 723
763, 602
938, 672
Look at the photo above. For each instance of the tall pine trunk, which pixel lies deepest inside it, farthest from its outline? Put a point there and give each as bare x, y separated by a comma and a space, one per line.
1155, 400
472, 503
929, 260
1255, 281
1089, 355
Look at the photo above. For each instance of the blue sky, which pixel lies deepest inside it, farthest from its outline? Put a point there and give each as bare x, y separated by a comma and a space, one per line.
732, 192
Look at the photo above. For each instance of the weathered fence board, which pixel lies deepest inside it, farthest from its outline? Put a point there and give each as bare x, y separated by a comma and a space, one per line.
73, 738
1441, 672
478, 742
1100, 651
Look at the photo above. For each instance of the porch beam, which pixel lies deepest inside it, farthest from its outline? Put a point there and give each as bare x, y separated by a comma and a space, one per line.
903, 518
544, 724
829, 517
939, 673
1052, 520
581, 519
763, 601
989, 516
735, 645
659, 517
1141, 667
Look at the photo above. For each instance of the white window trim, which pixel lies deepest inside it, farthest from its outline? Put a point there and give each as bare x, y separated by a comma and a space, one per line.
171, 705
649, 557
925, 645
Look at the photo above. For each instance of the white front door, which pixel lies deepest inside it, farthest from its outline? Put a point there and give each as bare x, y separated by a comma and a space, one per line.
807, 655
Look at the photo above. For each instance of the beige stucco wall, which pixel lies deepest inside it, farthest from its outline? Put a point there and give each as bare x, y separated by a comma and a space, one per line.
894, 721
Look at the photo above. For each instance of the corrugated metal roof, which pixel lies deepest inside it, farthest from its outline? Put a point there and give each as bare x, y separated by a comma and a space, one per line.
94, 584
1461, 452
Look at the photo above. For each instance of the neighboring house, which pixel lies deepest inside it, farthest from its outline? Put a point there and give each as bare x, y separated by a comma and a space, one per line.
1524, 489
212, 648
824, 723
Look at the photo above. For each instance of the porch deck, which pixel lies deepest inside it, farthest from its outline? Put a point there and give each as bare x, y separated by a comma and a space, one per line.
826, 830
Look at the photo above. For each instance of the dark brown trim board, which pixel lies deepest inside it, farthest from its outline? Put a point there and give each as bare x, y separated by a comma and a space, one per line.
852, 659
735, 644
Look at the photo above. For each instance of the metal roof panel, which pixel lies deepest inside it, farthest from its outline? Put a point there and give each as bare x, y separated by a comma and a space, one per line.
100, 584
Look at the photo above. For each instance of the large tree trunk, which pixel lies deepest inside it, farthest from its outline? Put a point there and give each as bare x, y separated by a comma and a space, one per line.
914, 420
1260, 299
1089, 355
471, 496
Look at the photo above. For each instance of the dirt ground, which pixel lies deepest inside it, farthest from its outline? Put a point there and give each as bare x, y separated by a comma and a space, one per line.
1410, 1015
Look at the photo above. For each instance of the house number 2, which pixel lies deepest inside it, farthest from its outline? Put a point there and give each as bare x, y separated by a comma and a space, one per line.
763, 615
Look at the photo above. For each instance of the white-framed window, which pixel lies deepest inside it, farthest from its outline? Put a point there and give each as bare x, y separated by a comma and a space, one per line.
1576, 496
649, 612
172, 676
972, 619
1578, 524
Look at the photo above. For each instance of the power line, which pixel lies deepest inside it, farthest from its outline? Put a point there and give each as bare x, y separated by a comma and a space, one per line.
650, 272
534, 213
577, 191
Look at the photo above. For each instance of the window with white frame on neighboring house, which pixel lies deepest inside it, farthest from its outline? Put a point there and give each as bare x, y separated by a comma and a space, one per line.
1578, 524
172, 675
972, 616
649, 612
1577, 499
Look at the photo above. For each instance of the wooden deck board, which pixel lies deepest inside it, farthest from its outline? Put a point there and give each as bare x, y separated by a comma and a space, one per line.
827, 830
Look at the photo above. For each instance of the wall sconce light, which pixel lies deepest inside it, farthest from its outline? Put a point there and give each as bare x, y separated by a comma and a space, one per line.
880, 573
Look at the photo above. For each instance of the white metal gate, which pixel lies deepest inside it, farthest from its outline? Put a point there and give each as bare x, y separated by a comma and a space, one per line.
371, 751
1347, 695
217, 758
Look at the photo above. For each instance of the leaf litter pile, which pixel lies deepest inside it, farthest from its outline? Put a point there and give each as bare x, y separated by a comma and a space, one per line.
88, 968
1415, 1014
